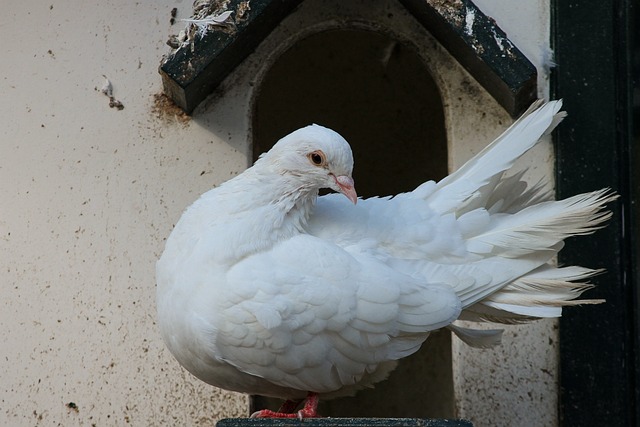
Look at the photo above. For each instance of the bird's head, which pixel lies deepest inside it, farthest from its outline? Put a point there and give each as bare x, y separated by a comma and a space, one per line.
317, 157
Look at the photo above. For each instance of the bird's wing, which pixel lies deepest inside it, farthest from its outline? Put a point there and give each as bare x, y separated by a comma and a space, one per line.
406, 235
310, 316
402, 227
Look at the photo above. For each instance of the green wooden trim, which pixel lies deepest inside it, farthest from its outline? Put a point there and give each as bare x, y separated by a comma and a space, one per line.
594, 148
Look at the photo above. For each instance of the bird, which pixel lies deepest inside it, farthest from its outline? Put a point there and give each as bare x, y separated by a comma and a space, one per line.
264, 287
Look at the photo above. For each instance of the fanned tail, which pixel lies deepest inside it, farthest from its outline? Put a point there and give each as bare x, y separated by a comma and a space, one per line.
541, 226
533, 230
514, 231
541, 293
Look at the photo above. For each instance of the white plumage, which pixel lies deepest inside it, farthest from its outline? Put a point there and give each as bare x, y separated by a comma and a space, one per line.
266, 288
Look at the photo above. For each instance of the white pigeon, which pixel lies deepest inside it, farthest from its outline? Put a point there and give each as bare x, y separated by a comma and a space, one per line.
266, 288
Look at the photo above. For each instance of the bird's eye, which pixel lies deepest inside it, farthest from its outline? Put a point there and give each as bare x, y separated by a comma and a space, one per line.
317, 158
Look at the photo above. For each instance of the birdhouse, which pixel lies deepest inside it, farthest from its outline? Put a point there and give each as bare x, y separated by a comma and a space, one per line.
416, 87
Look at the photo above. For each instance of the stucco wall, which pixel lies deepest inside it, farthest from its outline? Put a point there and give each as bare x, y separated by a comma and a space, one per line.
89, 192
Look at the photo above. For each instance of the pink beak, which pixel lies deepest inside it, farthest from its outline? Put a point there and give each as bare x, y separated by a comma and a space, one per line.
347, 187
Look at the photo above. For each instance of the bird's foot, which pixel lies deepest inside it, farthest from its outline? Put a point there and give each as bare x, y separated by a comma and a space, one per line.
309, 410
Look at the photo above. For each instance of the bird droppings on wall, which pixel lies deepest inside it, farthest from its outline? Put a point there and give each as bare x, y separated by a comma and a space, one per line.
449, 9
174, 13
548, 60
504, 44
202, 26
208, 15
242, 11
468, 21
165, 109
199, 25
107, 90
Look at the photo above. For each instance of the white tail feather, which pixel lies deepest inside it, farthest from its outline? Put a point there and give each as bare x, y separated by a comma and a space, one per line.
516, 227
461, 188
541, 226
512, 194
478, 338
541, 293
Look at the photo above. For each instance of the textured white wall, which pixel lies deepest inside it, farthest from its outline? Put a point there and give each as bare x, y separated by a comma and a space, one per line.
88, 193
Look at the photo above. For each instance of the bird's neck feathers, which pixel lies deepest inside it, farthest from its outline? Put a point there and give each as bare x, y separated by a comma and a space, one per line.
284, 190
289, 197
254, 211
